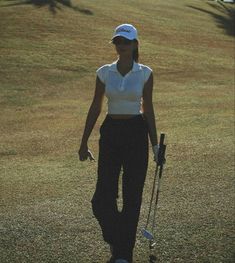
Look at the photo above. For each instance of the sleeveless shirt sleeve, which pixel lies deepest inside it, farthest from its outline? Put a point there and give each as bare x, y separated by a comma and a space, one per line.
147, 72
101, 73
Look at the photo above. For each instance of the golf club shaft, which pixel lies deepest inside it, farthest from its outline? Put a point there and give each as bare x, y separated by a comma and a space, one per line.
156, 200
151, 201
161, 144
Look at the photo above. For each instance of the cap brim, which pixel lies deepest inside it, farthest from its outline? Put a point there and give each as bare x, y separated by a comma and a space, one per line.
122, 35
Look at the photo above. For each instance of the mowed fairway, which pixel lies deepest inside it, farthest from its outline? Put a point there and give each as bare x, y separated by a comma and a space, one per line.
48, 57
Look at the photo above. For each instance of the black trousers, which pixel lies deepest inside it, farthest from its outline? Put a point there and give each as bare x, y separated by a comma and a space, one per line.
123, 144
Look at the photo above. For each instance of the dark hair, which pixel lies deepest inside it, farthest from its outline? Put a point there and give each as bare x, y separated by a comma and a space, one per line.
135, 53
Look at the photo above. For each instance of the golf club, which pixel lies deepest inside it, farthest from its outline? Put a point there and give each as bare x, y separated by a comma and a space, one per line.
150, 235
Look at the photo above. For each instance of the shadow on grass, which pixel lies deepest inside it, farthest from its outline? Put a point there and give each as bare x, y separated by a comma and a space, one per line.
226, 20
53, 5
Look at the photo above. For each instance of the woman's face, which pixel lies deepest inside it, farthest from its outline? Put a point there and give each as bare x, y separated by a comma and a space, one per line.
124, 46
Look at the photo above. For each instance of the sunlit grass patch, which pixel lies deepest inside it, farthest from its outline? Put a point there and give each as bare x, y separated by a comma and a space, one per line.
47, 71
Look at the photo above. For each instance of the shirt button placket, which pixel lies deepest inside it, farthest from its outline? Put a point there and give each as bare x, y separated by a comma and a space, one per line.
122, 84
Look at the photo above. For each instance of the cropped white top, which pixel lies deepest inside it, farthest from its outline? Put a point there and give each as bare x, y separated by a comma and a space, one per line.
124, 93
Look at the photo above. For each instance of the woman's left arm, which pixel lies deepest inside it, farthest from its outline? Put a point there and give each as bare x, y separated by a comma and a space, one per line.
148, 110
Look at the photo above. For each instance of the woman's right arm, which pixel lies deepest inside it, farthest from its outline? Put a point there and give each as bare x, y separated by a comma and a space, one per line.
92, 116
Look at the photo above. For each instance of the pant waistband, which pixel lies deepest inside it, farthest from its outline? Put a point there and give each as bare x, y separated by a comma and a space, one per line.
133, 119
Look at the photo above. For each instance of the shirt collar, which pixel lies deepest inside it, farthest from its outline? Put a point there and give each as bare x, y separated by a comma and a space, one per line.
136, 67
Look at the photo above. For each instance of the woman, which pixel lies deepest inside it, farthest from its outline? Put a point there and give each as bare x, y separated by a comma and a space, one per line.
123, 142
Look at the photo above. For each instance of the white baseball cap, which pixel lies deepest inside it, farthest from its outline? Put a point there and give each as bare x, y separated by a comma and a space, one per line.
126, 30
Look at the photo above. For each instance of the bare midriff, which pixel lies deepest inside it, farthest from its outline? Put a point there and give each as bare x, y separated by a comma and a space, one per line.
121, 116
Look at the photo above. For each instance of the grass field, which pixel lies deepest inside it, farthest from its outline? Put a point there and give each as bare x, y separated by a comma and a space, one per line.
49, 51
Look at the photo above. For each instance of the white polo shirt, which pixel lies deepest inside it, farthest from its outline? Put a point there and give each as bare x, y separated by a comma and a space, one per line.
124, 93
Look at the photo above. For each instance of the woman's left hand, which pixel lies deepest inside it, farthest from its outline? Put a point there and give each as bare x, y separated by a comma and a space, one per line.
155, 152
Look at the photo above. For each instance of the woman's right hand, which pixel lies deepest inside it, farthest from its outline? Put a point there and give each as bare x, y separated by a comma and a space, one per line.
85, 153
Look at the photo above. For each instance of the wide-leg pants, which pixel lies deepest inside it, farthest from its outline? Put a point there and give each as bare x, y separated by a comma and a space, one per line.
123, 144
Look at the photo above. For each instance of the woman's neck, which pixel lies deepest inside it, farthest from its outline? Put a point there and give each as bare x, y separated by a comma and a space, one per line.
125, 62
124, 66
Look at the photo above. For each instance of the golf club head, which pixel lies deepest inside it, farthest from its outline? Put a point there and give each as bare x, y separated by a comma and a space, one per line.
147, 234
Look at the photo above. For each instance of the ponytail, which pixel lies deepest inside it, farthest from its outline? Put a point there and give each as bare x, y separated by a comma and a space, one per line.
135, 53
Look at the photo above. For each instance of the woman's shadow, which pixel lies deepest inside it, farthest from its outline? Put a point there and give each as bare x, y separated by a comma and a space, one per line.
53, 5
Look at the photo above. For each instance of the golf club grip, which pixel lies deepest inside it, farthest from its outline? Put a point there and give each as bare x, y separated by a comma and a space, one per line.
162, 149
162, 137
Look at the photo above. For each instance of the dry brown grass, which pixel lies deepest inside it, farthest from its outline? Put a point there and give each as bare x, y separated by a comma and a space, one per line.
47, 71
